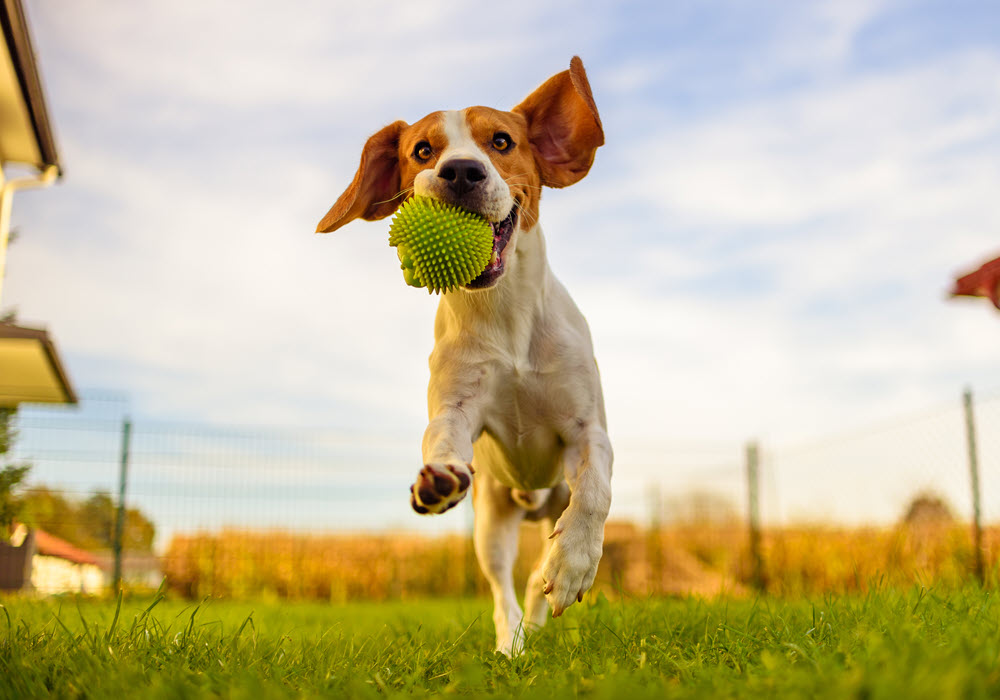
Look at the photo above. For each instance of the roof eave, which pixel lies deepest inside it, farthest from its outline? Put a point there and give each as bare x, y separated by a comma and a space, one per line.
22, 56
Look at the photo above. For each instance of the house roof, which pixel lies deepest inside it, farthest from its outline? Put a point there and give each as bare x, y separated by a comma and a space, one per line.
52, 546
25, 129
30, 370
983, 282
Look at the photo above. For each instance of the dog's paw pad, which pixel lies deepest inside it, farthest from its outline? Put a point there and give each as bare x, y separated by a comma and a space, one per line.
440, 487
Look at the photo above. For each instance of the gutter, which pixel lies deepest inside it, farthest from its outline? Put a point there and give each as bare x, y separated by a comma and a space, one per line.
43, 179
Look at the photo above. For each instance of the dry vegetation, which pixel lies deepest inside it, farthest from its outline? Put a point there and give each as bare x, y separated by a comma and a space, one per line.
703, 560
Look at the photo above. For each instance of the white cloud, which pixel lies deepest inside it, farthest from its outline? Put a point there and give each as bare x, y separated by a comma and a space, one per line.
821, 35
825, 149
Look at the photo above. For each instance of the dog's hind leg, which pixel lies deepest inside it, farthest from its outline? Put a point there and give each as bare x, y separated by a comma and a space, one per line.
536, 607
498, 523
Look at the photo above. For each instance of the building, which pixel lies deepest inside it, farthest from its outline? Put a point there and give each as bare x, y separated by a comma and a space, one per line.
983, 282
29, 365
36, 561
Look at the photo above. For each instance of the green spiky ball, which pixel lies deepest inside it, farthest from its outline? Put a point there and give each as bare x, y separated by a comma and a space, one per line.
440, 246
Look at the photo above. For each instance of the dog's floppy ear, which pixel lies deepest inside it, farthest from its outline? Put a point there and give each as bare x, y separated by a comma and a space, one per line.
374, 193
563, 126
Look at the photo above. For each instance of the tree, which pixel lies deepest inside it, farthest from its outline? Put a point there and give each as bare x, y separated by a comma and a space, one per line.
11, 476
97, 520
928, 508
10, 504
89, 524
98, 515
49, 510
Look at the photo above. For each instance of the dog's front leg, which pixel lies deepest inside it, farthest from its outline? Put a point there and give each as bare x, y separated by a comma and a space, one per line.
578, 537
447, 472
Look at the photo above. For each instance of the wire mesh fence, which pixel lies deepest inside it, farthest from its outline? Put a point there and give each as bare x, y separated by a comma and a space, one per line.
323, 514
872, 475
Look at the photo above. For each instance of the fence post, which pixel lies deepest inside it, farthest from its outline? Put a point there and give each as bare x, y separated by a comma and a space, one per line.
753, 514
654, 539
120, 518
977, 521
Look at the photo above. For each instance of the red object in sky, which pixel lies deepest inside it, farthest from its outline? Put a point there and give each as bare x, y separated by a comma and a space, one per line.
984, 282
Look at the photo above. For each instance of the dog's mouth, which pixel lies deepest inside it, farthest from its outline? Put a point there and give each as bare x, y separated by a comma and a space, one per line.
502, 231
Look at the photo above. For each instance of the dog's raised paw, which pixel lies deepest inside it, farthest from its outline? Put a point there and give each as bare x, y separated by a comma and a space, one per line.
440, 487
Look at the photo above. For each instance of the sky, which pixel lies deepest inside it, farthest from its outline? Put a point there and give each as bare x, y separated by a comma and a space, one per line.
763, 248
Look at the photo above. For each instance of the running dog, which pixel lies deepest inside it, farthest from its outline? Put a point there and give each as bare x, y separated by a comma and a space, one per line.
515, 402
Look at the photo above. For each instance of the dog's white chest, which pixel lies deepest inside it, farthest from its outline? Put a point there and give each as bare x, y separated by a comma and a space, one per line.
526, 444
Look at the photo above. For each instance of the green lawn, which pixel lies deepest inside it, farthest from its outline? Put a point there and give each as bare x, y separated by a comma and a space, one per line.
887, 644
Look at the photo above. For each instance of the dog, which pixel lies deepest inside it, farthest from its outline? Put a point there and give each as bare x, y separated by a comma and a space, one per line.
515, 402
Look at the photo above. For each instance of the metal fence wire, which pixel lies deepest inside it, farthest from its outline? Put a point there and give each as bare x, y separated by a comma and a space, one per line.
324, 514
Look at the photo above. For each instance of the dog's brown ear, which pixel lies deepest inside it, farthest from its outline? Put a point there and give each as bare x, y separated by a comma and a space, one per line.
563, 126
374, 193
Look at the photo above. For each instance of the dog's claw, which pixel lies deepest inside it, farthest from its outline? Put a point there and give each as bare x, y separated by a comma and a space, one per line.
579, 597
557, 531
548, 588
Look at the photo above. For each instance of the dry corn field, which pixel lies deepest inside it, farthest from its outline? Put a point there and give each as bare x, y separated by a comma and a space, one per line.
701, 560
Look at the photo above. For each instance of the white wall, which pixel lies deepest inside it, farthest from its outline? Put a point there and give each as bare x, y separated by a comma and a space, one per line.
54, 575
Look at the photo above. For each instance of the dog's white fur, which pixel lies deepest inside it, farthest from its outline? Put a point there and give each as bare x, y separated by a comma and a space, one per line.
514, 394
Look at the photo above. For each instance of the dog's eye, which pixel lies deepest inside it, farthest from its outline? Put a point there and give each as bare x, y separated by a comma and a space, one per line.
423, 150
502, 141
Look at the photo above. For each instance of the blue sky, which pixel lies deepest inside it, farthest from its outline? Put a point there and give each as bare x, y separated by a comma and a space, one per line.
763, 247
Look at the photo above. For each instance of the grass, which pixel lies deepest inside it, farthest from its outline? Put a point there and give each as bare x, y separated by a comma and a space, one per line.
886, 643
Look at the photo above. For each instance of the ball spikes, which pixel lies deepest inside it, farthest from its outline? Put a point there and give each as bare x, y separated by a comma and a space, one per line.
440, 246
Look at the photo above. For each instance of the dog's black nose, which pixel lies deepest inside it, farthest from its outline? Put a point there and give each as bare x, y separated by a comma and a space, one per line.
462, 174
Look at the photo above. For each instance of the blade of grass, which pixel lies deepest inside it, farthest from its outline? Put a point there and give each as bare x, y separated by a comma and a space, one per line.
114, 622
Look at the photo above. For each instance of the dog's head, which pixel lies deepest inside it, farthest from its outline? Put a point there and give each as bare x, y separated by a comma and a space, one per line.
485, 160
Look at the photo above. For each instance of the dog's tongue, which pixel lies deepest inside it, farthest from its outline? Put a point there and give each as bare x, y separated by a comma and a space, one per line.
502, 231
501, 237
